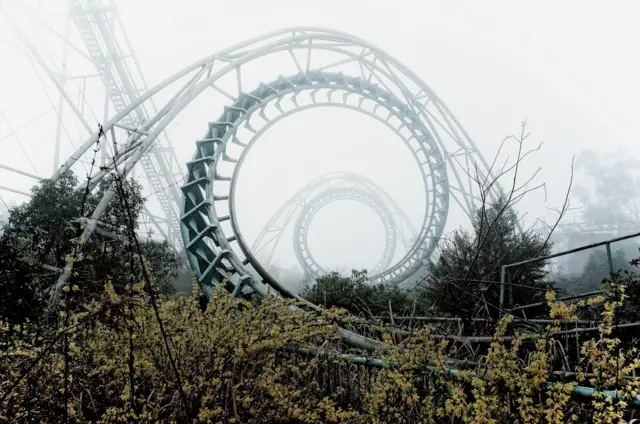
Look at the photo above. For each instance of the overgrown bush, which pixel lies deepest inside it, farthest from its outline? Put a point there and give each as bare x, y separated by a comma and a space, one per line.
355, 294
227, 359
514, 382
42, 232
125, 355
241, 362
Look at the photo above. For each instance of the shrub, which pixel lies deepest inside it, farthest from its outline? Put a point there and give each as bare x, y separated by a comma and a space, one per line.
242, 362
358, 296
464, 281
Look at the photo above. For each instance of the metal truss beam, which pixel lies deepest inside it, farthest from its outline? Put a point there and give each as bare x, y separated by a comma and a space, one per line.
268, 238
109, 50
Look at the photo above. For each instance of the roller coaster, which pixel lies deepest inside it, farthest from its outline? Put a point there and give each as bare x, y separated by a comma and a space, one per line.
323, 68
318, 68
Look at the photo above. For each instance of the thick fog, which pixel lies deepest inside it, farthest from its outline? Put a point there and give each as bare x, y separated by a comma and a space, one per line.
568, 68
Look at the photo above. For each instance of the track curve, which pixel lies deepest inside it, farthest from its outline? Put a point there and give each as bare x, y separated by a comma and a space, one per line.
215, 245
271, 233
300, 233
213, 241
204, 178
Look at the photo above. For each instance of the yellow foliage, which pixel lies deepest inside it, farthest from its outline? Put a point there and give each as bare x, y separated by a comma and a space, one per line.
240, 361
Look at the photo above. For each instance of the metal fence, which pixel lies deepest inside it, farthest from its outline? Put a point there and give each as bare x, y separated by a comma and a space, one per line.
506, 269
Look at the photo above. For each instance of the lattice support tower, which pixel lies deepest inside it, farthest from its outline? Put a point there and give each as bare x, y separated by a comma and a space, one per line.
96, 22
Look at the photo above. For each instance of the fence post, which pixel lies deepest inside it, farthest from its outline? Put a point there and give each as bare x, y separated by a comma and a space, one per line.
503, 278
609, 259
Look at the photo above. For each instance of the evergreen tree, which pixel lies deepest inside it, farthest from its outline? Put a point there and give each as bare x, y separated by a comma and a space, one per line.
40, 235
465, 279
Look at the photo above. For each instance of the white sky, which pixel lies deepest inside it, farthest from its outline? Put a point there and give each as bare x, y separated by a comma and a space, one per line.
569, 68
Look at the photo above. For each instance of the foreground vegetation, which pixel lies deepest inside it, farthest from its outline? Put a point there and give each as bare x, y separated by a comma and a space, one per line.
122, 346
239, 361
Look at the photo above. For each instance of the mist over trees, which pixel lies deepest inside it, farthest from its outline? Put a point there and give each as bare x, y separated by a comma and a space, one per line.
608, 187
608, 198
463, 281
595, 270
4, 213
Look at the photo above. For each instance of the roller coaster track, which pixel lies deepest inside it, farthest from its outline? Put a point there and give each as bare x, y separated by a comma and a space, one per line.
357, 76
95, 21
374, 83
320, 192
107, 47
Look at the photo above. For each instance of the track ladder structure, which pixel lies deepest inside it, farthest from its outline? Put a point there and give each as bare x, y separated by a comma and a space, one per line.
96, 23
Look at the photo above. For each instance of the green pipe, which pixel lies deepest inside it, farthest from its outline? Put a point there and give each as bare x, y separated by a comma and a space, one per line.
359, 360
579, 390
364, 360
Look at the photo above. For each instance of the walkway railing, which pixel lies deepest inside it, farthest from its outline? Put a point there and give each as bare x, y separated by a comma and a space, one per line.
505, 269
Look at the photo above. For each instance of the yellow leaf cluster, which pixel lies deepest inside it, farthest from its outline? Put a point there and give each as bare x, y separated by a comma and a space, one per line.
241, 361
